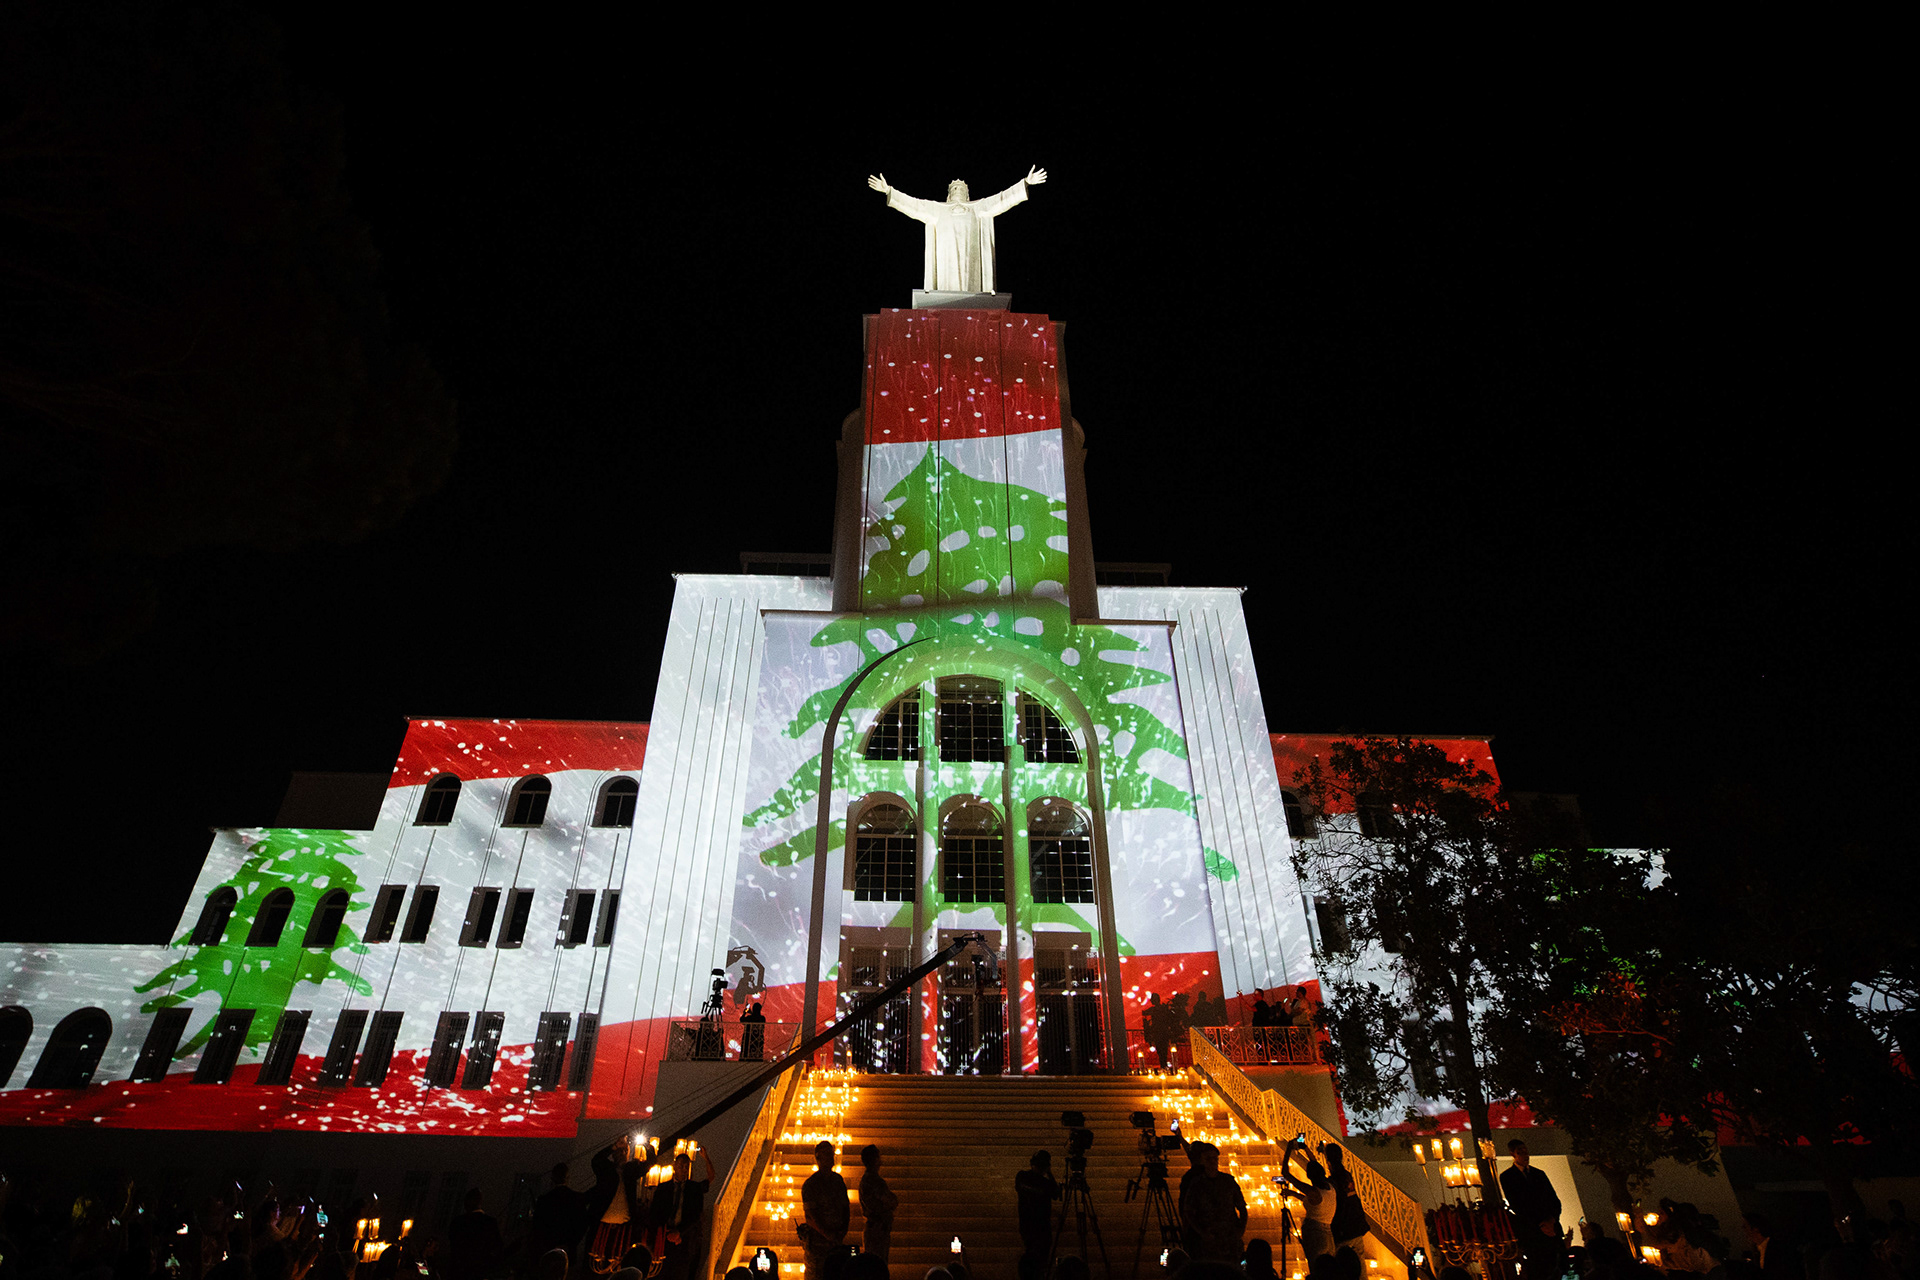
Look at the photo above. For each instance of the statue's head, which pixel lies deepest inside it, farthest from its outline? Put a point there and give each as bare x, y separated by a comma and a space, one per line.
957, 192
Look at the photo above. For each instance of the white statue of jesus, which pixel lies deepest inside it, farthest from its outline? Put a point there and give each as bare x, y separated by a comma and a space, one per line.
960, 231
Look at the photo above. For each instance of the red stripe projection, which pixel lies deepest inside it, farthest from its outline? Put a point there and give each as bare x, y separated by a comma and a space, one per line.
470, 749
1293, 751
957, 375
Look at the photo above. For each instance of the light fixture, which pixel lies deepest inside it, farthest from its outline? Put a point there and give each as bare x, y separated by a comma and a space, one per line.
1624, 1219
1419, 1155
1454, 1147
1652, 1219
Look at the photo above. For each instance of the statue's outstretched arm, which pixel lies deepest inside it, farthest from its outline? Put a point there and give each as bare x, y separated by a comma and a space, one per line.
879, 183
1035, 176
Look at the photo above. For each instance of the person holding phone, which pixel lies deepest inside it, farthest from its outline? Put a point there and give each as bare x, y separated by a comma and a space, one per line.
675, 1213
1317, 1199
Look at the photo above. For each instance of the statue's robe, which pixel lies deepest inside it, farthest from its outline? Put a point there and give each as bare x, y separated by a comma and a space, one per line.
959, 237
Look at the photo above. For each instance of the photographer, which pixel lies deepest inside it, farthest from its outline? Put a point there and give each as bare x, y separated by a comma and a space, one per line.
1213, 1212
1316, 1196
1036, 1191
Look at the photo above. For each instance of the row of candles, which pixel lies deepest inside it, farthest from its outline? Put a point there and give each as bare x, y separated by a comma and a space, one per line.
1456, 1170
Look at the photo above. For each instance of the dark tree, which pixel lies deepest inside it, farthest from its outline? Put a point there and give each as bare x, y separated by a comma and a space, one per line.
1415, 861
194, 347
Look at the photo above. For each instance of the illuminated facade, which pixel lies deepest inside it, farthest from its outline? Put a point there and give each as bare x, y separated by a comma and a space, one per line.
1082, 772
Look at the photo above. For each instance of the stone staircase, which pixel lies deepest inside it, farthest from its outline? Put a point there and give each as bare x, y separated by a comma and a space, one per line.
952, 1145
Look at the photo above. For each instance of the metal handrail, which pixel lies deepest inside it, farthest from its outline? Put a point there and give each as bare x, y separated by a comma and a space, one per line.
1396, 1215
711, 1040
733, 1206
1265, 1046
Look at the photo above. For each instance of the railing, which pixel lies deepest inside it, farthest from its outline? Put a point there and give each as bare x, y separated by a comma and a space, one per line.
733, 1206
701, 1040
1393, 1213
1265, 1046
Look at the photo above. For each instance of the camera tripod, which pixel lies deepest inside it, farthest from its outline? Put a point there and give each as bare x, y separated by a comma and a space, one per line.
1075, 1198
1158, 1206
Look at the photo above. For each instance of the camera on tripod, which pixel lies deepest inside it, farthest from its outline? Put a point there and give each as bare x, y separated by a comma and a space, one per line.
1079, 1142
1153, 1160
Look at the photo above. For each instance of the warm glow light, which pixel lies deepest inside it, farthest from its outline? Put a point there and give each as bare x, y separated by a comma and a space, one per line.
1436, 1149
1419, 1154
1454, 1147
1650, 1253
1625, 1220
1652, 1219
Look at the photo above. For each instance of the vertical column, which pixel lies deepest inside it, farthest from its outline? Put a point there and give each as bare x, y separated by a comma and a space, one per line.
926, 913
1020, 1003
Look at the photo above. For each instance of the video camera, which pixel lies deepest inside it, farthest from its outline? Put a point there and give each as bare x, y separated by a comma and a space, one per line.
1153, 1160
1079, 1142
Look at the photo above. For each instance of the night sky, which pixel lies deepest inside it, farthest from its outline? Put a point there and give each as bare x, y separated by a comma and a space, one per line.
1539, 411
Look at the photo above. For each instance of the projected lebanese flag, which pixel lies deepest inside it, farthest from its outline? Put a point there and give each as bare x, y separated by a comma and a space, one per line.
474, 749
960, 375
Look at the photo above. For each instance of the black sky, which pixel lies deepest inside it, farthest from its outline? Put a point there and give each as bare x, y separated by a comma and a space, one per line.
1547, 411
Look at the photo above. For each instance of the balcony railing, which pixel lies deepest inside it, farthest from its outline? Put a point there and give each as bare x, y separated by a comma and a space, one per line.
1265, 1046
701, 1040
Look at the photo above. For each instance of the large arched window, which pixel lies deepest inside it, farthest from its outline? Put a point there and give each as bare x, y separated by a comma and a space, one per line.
212, 925
972, 719
885, 854
324, 929
437, 806
73, 1051
972, 854
1046, 739
16, 1028
618, 800
267, 926
896, 731
527, 807
1060, 847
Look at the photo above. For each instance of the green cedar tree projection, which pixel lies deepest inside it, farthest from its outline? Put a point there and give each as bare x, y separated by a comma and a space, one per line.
311, 863
1097, 662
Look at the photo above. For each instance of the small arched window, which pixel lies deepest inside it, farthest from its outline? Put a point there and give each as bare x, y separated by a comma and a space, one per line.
1060, 845
214, 915
1047, 740
436, 807
885, 851
16, 1028
73, 1051
527, 807
272, 920
896, 732
617, 802
324, 929
972, 855
1299, 821
1375, 813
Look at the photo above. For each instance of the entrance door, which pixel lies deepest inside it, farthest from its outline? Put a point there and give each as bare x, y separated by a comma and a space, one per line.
973, 1010
1066, 981
883, 1041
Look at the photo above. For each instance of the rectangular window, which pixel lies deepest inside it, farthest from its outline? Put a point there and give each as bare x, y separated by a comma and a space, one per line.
1333, 925
972, 720
420, 914
972, 869
386, 912
883, 865
283, 1051
576, 918
338, 1064
584, 1038
549, 1052
163, 1037
609, 913
443, 1062
223, 1047
481, 909
513, 924
378, 1055
1062, 868
484, 1050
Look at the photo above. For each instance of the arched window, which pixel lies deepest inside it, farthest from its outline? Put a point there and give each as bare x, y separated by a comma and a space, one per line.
617, 801
1299, 821
212, 925
73, 1051
1375, 812
972, 719
1060, 847
16, 1028
436, 807
896, 732
267, 926
1047, 740
528, 805
972, 855
324, 929
885, 854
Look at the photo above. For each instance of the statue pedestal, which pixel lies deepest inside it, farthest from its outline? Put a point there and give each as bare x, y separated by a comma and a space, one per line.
943, 299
